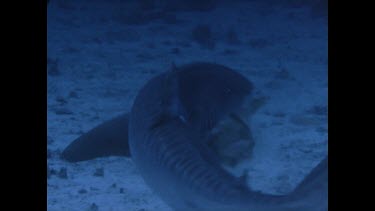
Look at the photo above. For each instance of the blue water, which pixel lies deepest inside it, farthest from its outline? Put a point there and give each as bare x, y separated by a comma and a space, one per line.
101, 52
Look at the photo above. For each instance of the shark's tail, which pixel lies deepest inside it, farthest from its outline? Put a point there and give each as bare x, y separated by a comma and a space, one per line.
312, 192
107, 139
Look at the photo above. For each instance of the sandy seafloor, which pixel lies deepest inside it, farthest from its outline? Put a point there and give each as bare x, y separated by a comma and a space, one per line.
103, 62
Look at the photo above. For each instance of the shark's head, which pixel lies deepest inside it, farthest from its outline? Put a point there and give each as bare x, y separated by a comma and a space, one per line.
211, 91
200, 94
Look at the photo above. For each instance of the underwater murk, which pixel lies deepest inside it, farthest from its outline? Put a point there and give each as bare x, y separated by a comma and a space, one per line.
210, 105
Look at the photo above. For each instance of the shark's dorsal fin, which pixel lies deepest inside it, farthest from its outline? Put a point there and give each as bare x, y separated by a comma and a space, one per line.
174, 107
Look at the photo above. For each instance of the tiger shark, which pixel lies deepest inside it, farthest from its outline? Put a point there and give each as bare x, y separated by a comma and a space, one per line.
207, 105
167, 131
167, 147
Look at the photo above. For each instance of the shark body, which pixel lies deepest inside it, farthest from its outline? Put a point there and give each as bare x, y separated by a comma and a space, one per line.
167, 133
166, 145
